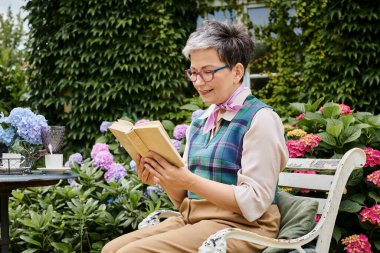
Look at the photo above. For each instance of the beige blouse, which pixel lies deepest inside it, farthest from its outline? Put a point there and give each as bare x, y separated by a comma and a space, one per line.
264, 156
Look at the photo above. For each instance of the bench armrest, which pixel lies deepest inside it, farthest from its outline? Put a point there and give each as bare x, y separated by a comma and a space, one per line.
154, 218
217, 241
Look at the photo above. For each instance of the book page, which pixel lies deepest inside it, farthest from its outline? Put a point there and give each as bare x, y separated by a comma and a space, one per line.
156, 139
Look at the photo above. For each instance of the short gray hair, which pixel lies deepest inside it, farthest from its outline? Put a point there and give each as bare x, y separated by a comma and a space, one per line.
231, 42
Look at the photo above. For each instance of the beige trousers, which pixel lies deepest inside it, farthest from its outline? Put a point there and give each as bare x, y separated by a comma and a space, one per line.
199, 219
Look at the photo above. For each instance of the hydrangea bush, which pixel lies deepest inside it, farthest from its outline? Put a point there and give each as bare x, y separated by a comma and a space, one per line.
81, 215
21, 130
328, 131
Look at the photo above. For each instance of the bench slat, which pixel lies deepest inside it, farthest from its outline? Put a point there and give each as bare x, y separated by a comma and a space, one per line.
306, 181
320, 164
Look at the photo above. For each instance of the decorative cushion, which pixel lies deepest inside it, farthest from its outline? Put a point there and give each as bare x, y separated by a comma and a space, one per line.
297, 217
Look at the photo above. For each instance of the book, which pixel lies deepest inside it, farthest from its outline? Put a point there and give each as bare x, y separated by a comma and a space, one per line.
139, 139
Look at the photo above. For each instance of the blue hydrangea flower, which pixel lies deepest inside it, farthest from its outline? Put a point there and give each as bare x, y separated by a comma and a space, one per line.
177, 144
116, 172
74, 158
156, 189
132, 165
26, 124
73, 183
104, 126
7, 135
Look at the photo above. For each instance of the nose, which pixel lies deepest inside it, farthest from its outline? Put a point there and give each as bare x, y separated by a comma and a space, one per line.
199, 81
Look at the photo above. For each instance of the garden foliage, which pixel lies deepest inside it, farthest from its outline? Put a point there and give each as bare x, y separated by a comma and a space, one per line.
321, 49
13, 78
101, 60
329, 131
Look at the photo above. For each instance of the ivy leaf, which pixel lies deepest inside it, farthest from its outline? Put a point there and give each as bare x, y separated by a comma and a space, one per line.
349, 206
101, 139
190, 107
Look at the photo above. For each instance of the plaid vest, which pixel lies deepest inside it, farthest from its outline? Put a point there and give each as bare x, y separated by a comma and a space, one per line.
219, 159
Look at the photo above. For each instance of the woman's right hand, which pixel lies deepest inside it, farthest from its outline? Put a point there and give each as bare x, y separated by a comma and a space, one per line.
143, 174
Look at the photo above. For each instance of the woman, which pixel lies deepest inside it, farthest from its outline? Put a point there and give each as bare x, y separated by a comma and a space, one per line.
234, 154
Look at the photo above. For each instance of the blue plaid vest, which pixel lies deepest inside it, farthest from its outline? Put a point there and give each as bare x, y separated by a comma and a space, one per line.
219, 158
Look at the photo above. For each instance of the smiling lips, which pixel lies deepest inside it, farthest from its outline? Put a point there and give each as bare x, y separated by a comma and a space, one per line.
204, 92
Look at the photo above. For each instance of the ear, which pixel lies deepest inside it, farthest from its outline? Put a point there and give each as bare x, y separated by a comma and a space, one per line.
239, 73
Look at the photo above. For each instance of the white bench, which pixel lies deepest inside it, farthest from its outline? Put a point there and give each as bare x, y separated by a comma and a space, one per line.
332, 177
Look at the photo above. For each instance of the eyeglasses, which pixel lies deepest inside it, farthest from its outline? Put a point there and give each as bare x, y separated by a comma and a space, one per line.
206, 75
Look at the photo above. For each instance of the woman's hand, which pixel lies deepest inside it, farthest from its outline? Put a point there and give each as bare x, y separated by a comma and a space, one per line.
143, 174
168, 175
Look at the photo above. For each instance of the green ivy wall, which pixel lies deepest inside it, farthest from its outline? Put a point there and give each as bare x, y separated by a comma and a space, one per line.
100, 60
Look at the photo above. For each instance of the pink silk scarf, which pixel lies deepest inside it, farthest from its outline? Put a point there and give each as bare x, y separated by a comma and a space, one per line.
228, 105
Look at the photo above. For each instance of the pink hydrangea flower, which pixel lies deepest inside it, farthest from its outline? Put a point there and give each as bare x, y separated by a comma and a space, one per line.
357, 244
374, 178
305, 172
103, 160
141, 121
98, 147
301, 116
372, 157
371, 214
311, 140
296, 148
345, 109
180, 131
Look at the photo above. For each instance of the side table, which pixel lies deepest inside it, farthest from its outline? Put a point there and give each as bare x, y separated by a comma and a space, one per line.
12, 182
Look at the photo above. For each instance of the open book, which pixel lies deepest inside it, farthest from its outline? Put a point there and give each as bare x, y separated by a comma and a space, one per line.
139, 139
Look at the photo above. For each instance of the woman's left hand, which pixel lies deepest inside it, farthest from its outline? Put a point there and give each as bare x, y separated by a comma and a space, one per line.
167, 174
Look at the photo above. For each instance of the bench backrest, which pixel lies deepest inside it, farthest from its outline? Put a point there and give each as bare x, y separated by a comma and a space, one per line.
331, 177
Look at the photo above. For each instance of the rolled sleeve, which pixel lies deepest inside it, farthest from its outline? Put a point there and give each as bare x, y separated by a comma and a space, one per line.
264, 156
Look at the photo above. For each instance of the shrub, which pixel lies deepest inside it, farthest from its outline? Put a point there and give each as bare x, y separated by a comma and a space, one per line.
332, 130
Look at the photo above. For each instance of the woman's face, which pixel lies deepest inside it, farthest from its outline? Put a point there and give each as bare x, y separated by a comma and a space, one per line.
225, 81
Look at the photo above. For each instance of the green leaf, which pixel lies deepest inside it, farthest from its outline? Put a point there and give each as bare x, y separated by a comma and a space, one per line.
299, 107
350, 134
347, 119
349, 206
101, 139
30, 240
356, 177
168, 125
329, 139
331, 110
358, 198
374, 196
60, 246
377, 244
337, 234
190, 107
334, 127
30, 250
314, 116
374, 121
